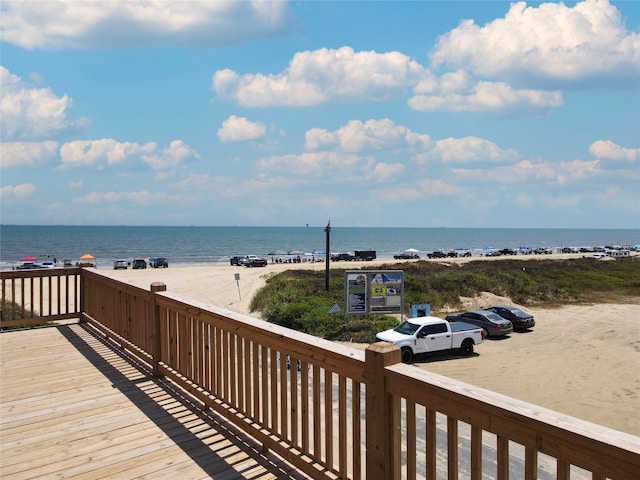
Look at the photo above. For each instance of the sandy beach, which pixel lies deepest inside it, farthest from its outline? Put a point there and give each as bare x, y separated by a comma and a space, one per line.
581, 360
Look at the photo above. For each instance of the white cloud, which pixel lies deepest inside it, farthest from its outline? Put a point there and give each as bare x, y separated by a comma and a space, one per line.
607, 150
320, 76
320, 164
91, 152
437, 187
528, 171
178, 152
573, 170
144, 197
112, 152
19, 191
551, 41
122, 23
240, 129
486, 97
359, 136
385, 171
28, 113
465, 150
27, 154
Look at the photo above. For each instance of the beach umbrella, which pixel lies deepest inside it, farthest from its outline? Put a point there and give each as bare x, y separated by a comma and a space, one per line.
278, 252
28, 259
319, 252
411, 250
296, 252
87, 256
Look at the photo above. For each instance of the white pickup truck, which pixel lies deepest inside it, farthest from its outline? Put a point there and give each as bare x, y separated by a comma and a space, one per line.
432, 334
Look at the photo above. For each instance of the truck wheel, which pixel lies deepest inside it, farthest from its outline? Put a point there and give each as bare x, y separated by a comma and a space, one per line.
407, 355
467, 347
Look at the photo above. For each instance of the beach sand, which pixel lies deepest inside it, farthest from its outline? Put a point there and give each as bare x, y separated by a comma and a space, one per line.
580, 360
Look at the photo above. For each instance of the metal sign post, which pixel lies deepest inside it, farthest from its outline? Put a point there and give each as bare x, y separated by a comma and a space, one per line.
237, 277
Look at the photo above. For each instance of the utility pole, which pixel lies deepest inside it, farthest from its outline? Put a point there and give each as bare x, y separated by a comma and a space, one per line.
327, 256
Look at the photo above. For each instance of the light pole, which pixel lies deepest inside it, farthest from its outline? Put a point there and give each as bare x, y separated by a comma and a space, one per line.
327, 256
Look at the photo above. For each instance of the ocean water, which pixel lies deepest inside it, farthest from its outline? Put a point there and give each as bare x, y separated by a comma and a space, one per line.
208, 245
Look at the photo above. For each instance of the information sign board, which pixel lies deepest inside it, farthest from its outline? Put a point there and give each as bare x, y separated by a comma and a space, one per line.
374, 291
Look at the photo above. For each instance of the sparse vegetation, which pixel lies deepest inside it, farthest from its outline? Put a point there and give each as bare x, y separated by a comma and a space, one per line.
13, 310
297, 298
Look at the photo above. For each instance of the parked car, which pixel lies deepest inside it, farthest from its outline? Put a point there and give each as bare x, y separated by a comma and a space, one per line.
520, 319
437, 254
347, 257
28, 266
543, 251
406, 256
431, 334
508, 251
120, 265
158, 262
492, 323
238, 260
255, 261
139, 263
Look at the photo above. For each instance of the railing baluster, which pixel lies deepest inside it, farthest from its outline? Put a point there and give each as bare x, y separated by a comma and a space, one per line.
431, 446
503, 457
410, 409
273, 388
317, 422
328, 417
304, 405
293, 400
285, 368
452, 448
356, 411
342, 426
563, 470
476, 453
530, 463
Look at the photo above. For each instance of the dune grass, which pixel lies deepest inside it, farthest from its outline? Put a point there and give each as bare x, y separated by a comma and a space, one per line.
297, 298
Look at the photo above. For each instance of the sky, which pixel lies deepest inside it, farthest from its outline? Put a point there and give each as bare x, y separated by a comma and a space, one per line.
374, 114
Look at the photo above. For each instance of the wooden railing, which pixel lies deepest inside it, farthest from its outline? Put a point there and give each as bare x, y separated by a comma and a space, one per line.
337, 412
42, 295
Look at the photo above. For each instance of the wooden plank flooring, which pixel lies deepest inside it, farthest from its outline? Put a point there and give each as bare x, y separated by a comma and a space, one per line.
74, 407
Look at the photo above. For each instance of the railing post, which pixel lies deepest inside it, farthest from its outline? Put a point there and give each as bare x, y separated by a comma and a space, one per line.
83, 286
383, 414
155, 333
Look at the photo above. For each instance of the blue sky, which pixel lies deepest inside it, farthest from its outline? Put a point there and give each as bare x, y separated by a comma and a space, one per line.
416, 114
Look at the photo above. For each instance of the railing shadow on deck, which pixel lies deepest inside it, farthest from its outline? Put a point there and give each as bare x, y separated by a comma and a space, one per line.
164, 420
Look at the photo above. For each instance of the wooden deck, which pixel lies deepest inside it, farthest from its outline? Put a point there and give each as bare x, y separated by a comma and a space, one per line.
72, 406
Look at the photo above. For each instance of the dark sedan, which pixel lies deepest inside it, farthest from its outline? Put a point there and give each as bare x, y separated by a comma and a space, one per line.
492, 323
521, 320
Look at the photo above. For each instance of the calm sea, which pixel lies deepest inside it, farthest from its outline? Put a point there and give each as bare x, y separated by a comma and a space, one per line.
207, 245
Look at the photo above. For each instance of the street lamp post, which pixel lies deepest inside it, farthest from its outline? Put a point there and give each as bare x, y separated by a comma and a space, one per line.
327, 256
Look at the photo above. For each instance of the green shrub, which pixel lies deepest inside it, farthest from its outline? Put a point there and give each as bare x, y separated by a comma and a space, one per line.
297, 299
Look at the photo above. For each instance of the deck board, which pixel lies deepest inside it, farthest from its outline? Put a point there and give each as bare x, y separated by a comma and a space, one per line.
73, 406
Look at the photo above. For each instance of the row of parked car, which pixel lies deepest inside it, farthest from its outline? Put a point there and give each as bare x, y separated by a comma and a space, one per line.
139, 263
496, 321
